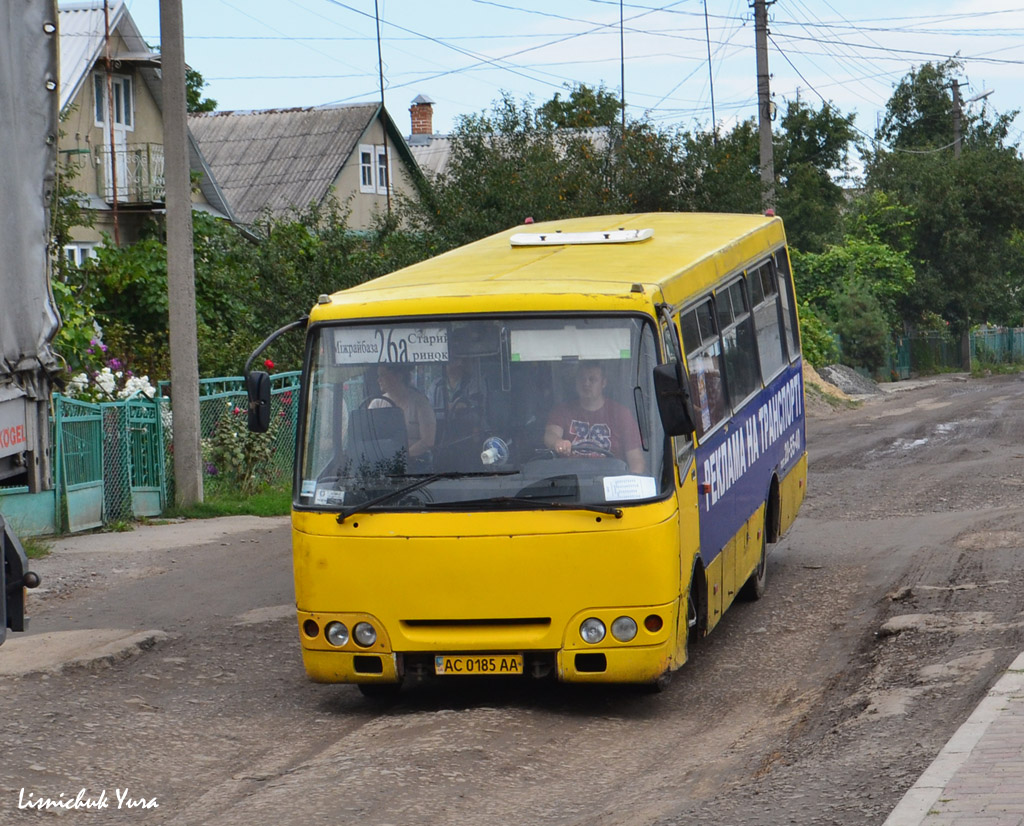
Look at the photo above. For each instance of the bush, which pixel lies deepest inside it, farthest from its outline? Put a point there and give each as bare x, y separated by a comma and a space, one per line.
233, 456
862, 328
816, 341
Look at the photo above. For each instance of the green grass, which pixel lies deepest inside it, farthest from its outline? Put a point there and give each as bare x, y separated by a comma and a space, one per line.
989, 368
220, 502
35, 548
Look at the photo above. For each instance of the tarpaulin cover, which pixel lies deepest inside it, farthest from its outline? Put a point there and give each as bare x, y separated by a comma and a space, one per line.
28, 154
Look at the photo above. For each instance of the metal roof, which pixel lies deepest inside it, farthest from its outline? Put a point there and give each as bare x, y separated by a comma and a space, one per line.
279, 158
432, 152
82, 31
82, 27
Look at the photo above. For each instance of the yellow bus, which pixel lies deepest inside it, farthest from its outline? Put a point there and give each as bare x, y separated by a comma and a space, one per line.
558, 452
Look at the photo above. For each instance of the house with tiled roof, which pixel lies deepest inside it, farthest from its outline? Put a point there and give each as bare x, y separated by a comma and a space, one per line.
111, 145
276, 161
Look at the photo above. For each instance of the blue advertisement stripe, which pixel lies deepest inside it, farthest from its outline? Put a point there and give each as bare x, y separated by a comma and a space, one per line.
736, 462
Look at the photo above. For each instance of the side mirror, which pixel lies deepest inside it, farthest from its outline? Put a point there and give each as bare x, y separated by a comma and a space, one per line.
257, 385
673, 402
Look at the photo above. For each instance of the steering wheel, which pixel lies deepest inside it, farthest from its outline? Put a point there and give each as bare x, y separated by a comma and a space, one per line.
589, 448
370, 402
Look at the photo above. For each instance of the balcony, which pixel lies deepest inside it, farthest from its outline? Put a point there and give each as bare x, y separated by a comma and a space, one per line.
140, 173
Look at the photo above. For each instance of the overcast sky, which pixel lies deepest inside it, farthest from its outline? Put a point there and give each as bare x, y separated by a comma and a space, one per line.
263, 54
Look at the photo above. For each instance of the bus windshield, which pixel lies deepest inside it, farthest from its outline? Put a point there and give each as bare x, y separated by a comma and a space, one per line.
481, 413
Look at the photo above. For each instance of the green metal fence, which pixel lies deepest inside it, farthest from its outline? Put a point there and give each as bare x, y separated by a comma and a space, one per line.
925, 353
931, 352
113, 462
997, 345
232, 456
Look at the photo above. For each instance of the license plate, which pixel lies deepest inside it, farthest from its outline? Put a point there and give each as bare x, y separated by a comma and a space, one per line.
474, 664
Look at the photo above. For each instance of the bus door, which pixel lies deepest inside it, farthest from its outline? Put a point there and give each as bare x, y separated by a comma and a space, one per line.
683, 466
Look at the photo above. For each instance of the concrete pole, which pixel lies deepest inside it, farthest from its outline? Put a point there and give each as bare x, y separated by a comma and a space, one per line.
181, 287
956, 118
764, 103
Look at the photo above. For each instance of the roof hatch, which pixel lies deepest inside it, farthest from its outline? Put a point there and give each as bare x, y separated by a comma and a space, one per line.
558, 238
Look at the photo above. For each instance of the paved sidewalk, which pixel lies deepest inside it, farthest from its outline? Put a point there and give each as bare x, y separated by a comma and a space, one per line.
80, 562
978, 778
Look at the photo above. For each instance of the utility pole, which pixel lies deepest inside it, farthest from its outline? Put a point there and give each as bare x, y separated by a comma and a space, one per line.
956, 118
764, 102
181, 285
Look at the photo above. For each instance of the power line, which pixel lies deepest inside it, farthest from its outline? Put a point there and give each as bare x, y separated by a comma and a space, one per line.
873, 139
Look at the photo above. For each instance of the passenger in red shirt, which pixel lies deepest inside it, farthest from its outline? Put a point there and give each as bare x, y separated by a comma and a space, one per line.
592, 421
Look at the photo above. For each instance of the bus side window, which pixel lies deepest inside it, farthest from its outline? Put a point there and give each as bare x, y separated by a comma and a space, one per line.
682, 446
742, 371
704, 366
764, 296
787, 302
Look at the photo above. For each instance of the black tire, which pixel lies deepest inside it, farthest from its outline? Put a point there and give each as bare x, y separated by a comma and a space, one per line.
753, 588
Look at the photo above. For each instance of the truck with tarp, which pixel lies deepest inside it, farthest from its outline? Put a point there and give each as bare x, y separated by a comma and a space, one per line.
28, 315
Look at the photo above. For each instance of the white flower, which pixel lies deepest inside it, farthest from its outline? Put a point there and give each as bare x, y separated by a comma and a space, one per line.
78, 384
106, 382
137, 385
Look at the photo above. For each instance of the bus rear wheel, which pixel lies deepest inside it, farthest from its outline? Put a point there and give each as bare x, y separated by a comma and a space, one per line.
753, 588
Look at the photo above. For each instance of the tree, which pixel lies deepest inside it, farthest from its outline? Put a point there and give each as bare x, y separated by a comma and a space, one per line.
966, 210
721, 173
885, 273
811, 151
919, 115
585, 108
194, 102
517, 162
245, 289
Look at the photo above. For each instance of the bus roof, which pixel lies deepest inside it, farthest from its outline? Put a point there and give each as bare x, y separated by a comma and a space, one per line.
521, 268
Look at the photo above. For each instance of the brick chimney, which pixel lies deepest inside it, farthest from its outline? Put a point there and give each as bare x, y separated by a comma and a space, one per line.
422, 115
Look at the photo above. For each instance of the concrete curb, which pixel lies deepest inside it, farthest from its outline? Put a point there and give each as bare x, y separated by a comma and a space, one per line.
921, 798
54, 651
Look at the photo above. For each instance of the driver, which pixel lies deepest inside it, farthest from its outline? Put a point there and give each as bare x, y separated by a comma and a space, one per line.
594, 425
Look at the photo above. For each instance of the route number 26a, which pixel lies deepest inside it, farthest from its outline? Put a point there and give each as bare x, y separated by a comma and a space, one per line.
391, 347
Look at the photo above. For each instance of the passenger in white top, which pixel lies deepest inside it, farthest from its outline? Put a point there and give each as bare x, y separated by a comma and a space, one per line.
420, 421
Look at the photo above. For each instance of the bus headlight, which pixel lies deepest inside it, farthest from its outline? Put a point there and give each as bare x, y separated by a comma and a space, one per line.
364, 634
624, 629
336, 633
592, 630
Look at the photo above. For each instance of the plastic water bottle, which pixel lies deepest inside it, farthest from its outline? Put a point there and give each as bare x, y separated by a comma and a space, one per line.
495, 451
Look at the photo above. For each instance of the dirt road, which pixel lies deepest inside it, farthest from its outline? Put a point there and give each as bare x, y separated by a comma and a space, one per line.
891, 607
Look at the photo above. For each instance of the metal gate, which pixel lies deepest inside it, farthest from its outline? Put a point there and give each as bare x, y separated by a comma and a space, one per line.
79, 427
145, 457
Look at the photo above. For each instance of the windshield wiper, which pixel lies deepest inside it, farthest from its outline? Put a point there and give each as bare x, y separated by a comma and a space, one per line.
419, 482
533, 503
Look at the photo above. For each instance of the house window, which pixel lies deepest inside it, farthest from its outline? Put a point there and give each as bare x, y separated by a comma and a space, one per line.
122, 96
374, 172
78, 253
366, 154
382, 171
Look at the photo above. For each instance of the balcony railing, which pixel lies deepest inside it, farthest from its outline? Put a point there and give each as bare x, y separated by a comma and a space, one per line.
140, 173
